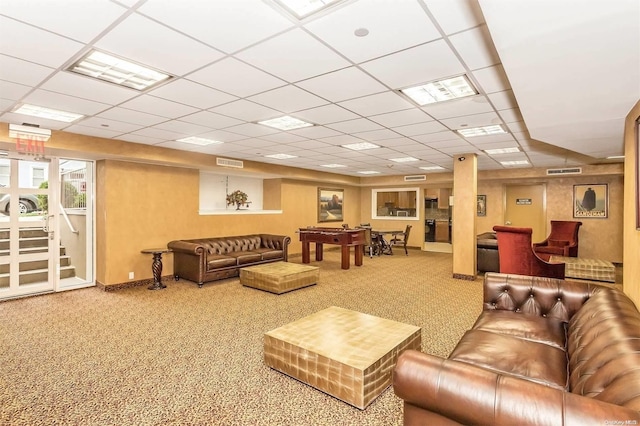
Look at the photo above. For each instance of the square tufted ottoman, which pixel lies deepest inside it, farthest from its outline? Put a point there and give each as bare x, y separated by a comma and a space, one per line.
587, 269
347, 354
279, 277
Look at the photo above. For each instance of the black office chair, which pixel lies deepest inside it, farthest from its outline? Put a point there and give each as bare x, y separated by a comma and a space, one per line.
400, 239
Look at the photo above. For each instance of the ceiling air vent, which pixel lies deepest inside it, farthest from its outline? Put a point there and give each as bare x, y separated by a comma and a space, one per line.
414, 178
569, 171
226, 162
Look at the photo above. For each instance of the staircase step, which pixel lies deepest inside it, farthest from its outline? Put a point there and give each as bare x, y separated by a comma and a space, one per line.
38, 275
36, 264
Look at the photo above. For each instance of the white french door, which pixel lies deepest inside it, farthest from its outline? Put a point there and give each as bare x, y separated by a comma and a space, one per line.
34, 221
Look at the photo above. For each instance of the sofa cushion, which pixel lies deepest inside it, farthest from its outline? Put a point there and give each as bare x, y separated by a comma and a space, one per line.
245, 257
529, 327
603, 343
215, 261
558, 243
268, 253
510, 355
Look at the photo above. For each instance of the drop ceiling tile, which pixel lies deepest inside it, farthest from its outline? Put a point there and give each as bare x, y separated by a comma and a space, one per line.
341, 140
448, 144
211, 120
405, 20
131, 116
182, 146
315, 132
252, 130
421, 64
182, 127
235, 77
420, 128
438, 136
357, 125
13, 91
492, 79
470, 121
222, 136
401, 118
283, 137
156, 133
503, 100
88, 88
459, 107
343, 84
112, 125
70, 18
325, 114
309, 144
256, 143
228, 25
293, 56
246, 110
22, 72
62, 102
194, 94
455, 15
377, 135
144, 41
380, 103
510, 115
475, 47
6, 104
140, 139
93, 131
496, 145
158, 106
288, 99
27, 42
399, 142
517, 126
482, 140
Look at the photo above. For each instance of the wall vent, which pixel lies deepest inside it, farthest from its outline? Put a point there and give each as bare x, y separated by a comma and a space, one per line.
415, 178
567, 171
227, 162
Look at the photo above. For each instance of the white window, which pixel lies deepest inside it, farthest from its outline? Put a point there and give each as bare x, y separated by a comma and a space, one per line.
37, 176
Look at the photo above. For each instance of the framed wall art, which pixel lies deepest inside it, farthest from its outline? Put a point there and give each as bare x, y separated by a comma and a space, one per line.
591, 201
481, 204
330, 204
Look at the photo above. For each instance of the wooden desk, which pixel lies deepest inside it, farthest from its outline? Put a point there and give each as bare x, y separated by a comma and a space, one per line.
338, 236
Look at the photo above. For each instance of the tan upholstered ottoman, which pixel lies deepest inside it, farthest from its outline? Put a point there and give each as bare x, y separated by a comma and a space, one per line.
587, 269
347, 354
279, 277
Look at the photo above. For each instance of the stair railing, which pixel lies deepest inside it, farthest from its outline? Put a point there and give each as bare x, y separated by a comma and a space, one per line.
66, 219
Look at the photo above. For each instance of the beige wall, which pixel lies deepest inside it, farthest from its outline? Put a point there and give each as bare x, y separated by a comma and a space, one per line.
631, 234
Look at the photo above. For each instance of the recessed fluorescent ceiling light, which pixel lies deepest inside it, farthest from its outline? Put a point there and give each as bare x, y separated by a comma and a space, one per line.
119, 71
281, 156
481, 131
198, 141
431, 168
501, 151
285, 123
441, 90
48, 113
369, 172
615, 157
304, 8
404, 159
361, 146
515, 163
333, 166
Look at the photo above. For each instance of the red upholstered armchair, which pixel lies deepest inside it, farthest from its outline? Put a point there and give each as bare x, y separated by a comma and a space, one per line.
517, 256
562, 241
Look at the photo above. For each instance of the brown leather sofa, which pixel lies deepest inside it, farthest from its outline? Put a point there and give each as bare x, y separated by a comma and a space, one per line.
487, 252
208, 259
543, 351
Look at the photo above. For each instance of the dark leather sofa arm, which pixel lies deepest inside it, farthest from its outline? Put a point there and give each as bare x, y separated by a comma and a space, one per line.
454, 392
186, 247
278, 242
546, 297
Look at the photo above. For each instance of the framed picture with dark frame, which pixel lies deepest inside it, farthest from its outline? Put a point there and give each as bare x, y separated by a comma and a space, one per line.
330, 204
482, 205
591, 201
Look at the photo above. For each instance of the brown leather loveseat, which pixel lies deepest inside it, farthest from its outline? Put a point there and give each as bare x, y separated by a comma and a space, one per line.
544, 351
209, 259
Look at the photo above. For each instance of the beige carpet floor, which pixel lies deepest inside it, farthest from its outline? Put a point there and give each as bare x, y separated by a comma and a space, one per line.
193, 356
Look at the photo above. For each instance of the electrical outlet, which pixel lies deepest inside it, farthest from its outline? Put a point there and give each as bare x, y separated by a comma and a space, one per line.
131, 275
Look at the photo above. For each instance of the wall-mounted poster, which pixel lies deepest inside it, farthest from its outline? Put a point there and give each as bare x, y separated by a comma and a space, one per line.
330, 204
591, 201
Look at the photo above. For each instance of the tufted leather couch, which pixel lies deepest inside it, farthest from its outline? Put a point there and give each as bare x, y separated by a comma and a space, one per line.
208, 259
543, 351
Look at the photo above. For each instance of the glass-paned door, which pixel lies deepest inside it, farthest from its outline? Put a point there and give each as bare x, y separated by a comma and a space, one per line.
27, 221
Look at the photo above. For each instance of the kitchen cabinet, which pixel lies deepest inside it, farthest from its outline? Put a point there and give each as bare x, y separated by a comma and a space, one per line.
442, 194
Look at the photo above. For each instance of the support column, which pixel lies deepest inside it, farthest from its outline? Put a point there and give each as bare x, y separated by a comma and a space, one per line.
465, 191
